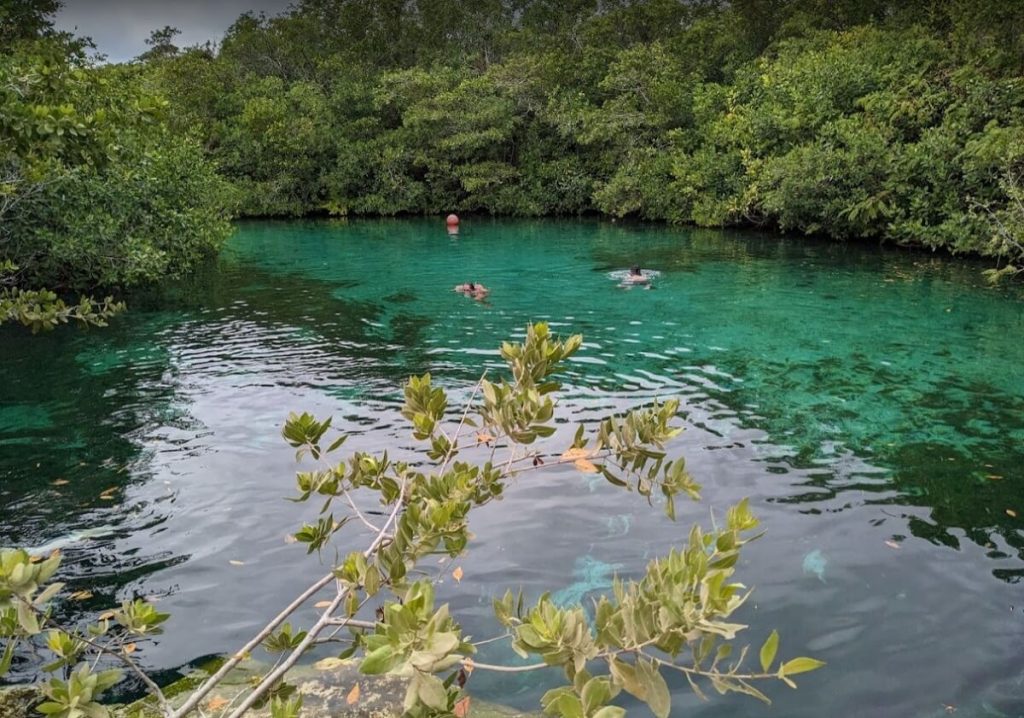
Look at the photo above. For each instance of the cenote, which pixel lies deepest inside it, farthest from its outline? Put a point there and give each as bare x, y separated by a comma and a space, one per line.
869, 402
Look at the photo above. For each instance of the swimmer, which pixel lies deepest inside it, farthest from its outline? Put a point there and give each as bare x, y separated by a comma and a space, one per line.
473, 289
635, 276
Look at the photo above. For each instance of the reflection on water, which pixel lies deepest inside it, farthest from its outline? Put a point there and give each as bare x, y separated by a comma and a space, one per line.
870, 403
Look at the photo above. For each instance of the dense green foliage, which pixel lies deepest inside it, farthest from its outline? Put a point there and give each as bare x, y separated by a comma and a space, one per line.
858, 118
95, 190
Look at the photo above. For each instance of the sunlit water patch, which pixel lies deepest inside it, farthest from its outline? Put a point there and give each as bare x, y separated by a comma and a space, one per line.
870, 403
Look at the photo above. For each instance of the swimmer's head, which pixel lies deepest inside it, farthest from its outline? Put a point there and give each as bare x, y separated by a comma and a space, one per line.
472, 287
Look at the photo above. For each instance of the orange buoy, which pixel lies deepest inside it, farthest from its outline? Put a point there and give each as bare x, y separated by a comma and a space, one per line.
453, 220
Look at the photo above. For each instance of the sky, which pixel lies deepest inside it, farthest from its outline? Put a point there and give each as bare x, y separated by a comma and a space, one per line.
120, 27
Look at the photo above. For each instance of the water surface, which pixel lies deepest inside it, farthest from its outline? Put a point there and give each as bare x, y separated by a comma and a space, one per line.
871, 404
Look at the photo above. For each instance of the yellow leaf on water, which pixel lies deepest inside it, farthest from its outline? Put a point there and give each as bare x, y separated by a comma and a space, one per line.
576, 453
328, 664
993, 477
130, 648
457, 574
461, 709
322, 604
80, 595
216, 703
585, 466
353, 695
892, 544
236, 563
105, 616
1011, 513
61, 482
484, 438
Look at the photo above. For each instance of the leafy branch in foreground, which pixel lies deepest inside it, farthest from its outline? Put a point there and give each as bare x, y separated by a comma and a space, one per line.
676, 618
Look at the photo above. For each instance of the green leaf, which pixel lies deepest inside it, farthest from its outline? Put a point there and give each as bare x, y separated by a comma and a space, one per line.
768, 650
5, 661
610, 712
658, 697
378, 661
800, 665
27, 619
431, 691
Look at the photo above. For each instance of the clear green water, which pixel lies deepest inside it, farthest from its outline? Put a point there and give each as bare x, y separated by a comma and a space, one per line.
858, 396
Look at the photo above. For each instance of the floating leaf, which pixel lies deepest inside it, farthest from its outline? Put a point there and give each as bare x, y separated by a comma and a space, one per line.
993, 477
236, 563
461, 709
61, 482
484, 438
1011, 513
216, 703
130, 648
585, 466
576, 453
81, 595
322, 604
457, 574
353, 695
892, 544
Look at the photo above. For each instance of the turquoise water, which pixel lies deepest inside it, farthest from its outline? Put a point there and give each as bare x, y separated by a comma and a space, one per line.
871, 404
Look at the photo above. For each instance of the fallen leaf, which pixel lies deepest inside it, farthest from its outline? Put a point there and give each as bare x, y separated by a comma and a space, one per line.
585, 466
105, 616
892, 544
576, 453
322, 604
353, 695
1011, 513
468, 666
61, 482
993, 477
461, 709
216, 703
457, 574
484, 438
328, 664
80, 595
236, 563
130, 648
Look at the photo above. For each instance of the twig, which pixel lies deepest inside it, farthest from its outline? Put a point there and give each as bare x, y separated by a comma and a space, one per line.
153, 687
271, 678
210, 683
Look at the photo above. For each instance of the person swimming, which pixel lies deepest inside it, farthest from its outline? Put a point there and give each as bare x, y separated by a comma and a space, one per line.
636, 276
473, 289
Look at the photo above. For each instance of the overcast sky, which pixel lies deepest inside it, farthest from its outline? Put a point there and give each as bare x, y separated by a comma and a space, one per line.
120, 27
